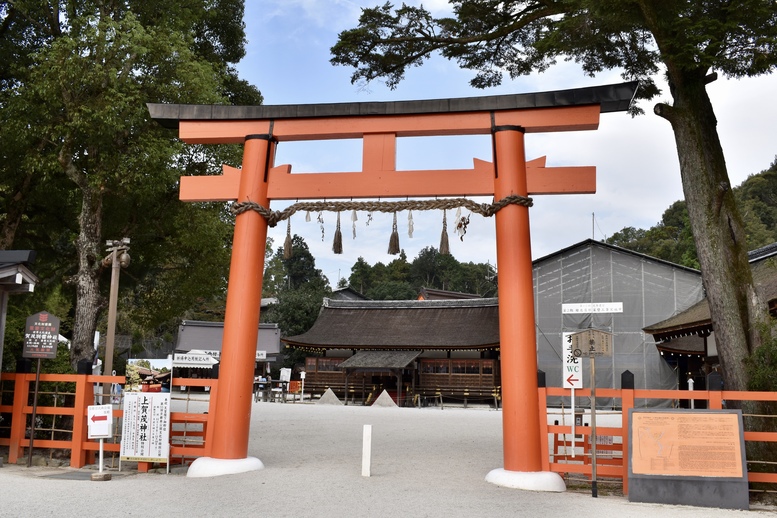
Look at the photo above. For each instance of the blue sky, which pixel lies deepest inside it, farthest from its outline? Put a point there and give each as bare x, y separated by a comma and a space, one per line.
637, 168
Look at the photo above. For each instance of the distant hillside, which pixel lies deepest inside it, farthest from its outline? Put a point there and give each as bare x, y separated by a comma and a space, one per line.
672, 240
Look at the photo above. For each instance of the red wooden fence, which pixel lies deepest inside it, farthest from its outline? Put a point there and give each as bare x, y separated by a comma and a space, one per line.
617, 467
82, 449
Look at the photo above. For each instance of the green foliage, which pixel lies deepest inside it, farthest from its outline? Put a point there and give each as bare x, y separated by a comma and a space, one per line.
392, 290
401, 279
360, 277
494, 37
83, 162
299, 270
672, 240
300, 289
762, 365
132, 375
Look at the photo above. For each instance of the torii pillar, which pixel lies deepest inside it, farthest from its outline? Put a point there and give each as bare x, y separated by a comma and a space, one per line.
507, 118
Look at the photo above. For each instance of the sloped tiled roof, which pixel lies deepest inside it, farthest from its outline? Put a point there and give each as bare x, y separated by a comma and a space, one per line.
15, 275
697, 320
434, 294
380, 360
403, 325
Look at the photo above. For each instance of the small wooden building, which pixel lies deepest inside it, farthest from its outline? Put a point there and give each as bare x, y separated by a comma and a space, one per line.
414, 349
687, 338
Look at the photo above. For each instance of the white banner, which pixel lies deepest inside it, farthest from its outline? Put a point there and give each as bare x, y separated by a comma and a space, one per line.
260, 355
592, 307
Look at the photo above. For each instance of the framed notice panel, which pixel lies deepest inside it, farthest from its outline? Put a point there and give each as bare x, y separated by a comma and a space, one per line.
145, 433
689, 457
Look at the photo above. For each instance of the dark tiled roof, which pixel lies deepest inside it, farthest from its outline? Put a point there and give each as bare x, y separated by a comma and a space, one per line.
403, 325
380, 360
696, 319
433, 294
611, 98
15, 276
9, 257
762, 253
348, 293
683, 345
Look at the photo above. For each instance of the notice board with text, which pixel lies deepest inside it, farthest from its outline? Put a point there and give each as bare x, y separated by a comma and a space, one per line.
688, 457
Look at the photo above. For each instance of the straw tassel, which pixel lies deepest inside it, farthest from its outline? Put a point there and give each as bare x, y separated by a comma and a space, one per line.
444, 246
337, 246
287, 242
393, 248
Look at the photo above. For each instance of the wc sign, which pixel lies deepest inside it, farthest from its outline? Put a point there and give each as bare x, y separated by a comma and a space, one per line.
572, 369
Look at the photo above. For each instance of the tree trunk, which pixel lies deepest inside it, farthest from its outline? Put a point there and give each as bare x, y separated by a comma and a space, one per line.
88, 300
718, 231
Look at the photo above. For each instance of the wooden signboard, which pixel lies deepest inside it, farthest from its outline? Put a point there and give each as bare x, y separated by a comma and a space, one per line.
41, 336
591, 343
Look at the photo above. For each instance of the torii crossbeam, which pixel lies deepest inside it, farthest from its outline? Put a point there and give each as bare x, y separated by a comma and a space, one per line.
507, 118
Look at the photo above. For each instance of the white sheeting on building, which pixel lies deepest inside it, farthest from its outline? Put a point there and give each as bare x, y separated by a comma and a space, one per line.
651, 290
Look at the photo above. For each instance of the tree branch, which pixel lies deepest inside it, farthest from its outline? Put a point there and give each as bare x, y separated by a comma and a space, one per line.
664, 111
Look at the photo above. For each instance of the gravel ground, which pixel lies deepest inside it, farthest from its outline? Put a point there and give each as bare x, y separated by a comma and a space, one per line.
425, 463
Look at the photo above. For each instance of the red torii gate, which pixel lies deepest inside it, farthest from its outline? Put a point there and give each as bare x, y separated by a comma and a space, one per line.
507, 118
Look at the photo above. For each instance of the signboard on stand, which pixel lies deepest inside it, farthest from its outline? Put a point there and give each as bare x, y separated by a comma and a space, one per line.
41, 336
146, 429
145, 436
592, 343
99, 421
572, 373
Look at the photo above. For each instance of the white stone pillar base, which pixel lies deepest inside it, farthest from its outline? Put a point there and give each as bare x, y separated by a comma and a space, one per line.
528, 480
210, 467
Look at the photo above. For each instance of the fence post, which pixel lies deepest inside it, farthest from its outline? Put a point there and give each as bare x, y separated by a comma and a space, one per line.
714, 389
21, 391
542, 393
627, 403
84, 397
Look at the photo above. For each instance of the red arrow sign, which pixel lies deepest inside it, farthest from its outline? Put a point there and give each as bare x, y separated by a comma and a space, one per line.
571, 380
99, 418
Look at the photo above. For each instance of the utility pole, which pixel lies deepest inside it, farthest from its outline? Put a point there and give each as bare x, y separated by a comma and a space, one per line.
117, 259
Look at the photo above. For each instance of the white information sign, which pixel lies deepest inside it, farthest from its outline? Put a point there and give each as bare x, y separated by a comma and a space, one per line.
99, 422
592, 307
572, 370
146, 432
